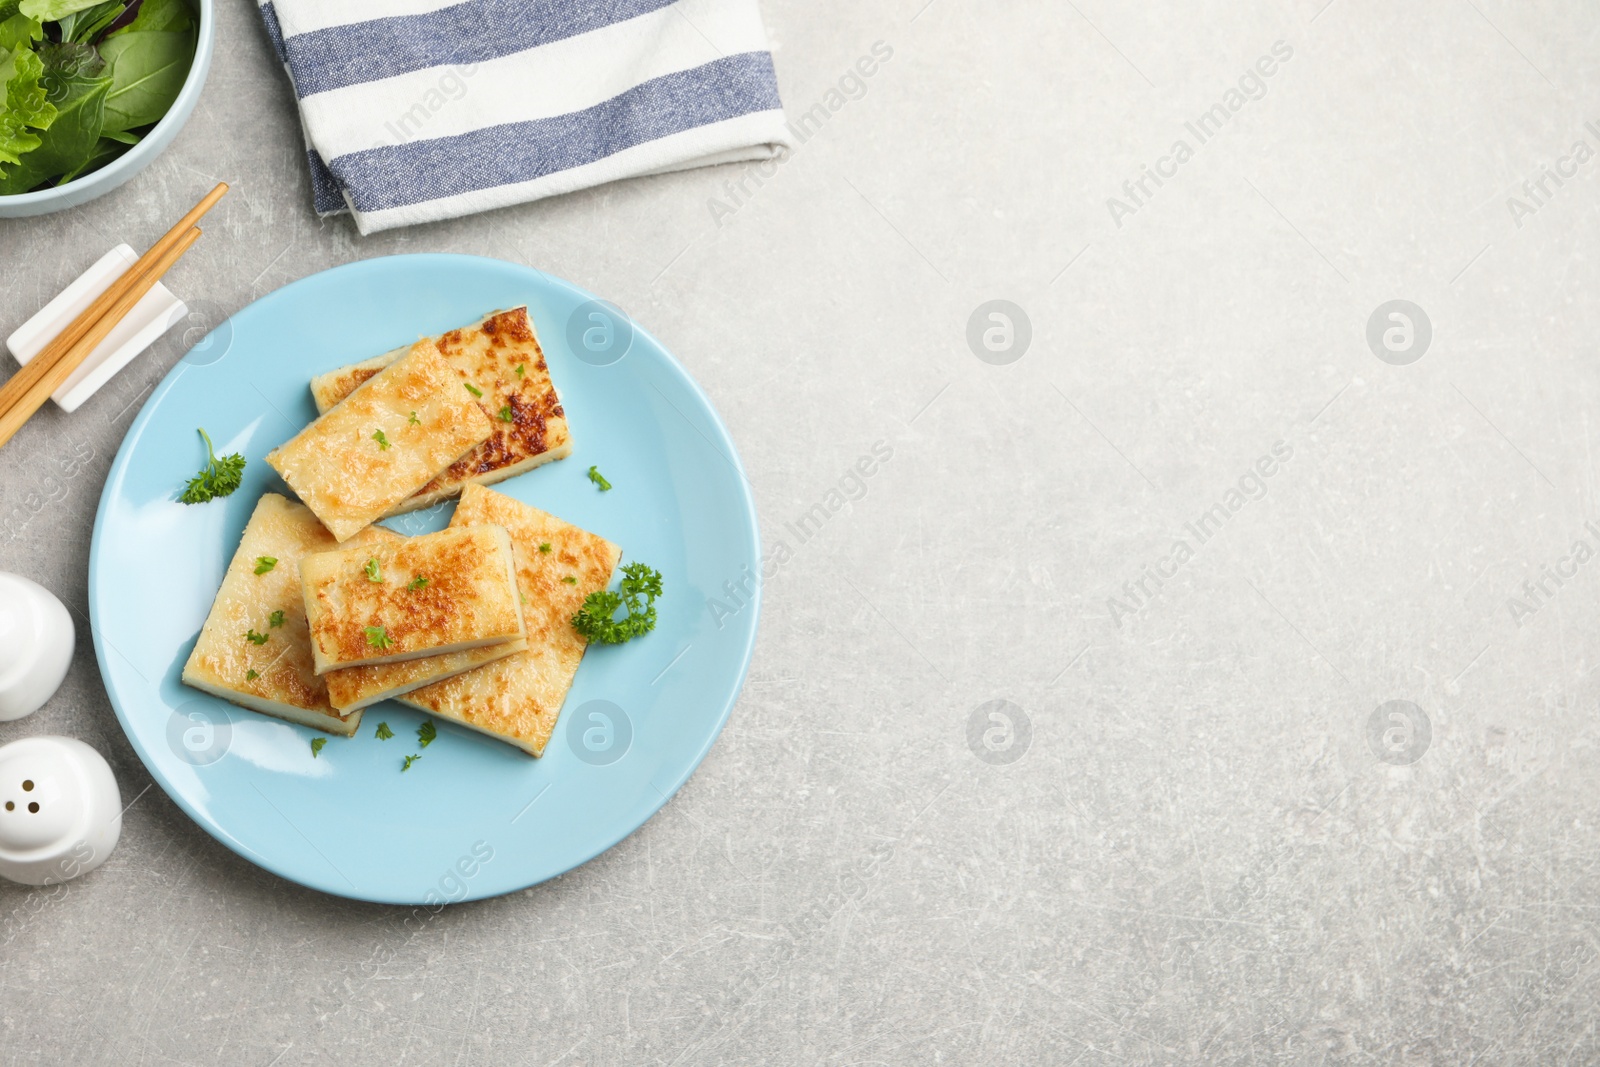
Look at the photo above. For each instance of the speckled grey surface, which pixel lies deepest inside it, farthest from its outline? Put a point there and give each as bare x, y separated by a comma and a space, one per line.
1200, 845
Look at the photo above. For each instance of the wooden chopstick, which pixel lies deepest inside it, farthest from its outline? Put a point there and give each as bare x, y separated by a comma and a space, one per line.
40, 365
16, 408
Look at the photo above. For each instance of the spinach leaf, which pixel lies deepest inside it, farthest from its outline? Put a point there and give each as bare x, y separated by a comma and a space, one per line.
88, 24
71, 139
146, 71
105, 150
54, 10
122, 136
159, 16
26, 108
67, 64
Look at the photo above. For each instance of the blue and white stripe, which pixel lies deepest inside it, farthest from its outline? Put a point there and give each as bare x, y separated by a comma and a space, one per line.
416, 110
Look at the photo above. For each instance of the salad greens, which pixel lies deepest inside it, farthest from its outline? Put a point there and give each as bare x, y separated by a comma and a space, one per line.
82, 80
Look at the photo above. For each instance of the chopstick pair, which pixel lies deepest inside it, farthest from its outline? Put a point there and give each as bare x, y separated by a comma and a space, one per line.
27, 390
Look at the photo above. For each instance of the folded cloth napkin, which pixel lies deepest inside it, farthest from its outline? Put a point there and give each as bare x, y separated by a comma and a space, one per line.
419, 110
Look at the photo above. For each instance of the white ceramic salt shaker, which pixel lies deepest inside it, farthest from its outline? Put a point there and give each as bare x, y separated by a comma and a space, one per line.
36, 640
60, 810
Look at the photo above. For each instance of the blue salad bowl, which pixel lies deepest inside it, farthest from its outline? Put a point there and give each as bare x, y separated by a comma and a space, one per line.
98, 183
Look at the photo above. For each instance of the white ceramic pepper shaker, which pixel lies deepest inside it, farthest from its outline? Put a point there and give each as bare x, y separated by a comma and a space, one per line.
60, 810
36, 641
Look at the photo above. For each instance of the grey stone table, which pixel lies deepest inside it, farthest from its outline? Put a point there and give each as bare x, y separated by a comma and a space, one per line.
1293, 767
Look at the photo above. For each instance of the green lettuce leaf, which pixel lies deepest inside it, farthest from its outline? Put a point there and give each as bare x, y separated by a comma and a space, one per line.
52, 10
27, 109
19, 30
72, 137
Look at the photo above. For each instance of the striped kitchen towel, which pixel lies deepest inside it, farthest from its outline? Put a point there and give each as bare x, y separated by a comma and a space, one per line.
420, 110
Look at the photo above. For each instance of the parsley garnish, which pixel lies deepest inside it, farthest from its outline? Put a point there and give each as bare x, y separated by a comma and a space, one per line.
570, 580
316, 745
417, 583
426, 733
544, 547
505, 414
474, 390
414, 420
275, 619
251, 675
255, 638
409, 761
520, 371
374, 572
219, 478
597, 620
384, 733
265, 563
599, 479
378, 637
383, 442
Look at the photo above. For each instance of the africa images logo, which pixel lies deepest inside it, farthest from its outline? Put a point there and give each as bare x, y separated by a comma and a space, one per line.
1204, 128
1252, 485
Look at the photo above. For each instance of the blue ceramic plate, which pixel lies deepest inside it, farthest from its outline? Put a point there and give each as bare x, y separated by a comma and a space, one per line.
473, 818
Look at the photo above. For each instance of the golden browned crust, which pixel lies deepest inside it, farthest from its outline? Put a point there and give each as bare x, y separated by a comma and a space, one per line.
277, 677
518, 699
468, 599
328, 389
383, 442
487, 355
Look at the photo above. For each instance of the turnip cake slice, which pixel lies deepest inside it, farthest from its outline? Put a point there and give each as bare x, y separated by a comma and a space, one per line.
519, 698
353, 688
500, 357
385, 441
421, 596
254, 648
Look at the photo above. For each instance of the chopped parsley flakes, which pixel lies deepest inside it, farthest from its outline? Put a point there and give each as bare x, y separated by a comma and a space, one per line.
275, 620
384, 733
383, 442
316, 746
474, 390
373, 571
426, 733
378, 637
265, 563
255, 638
599, 479
409, 761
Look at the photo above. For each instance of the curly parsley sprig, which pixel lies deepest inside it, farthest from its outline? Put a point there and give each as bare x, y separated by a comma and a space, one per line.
219, 478
597, 620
